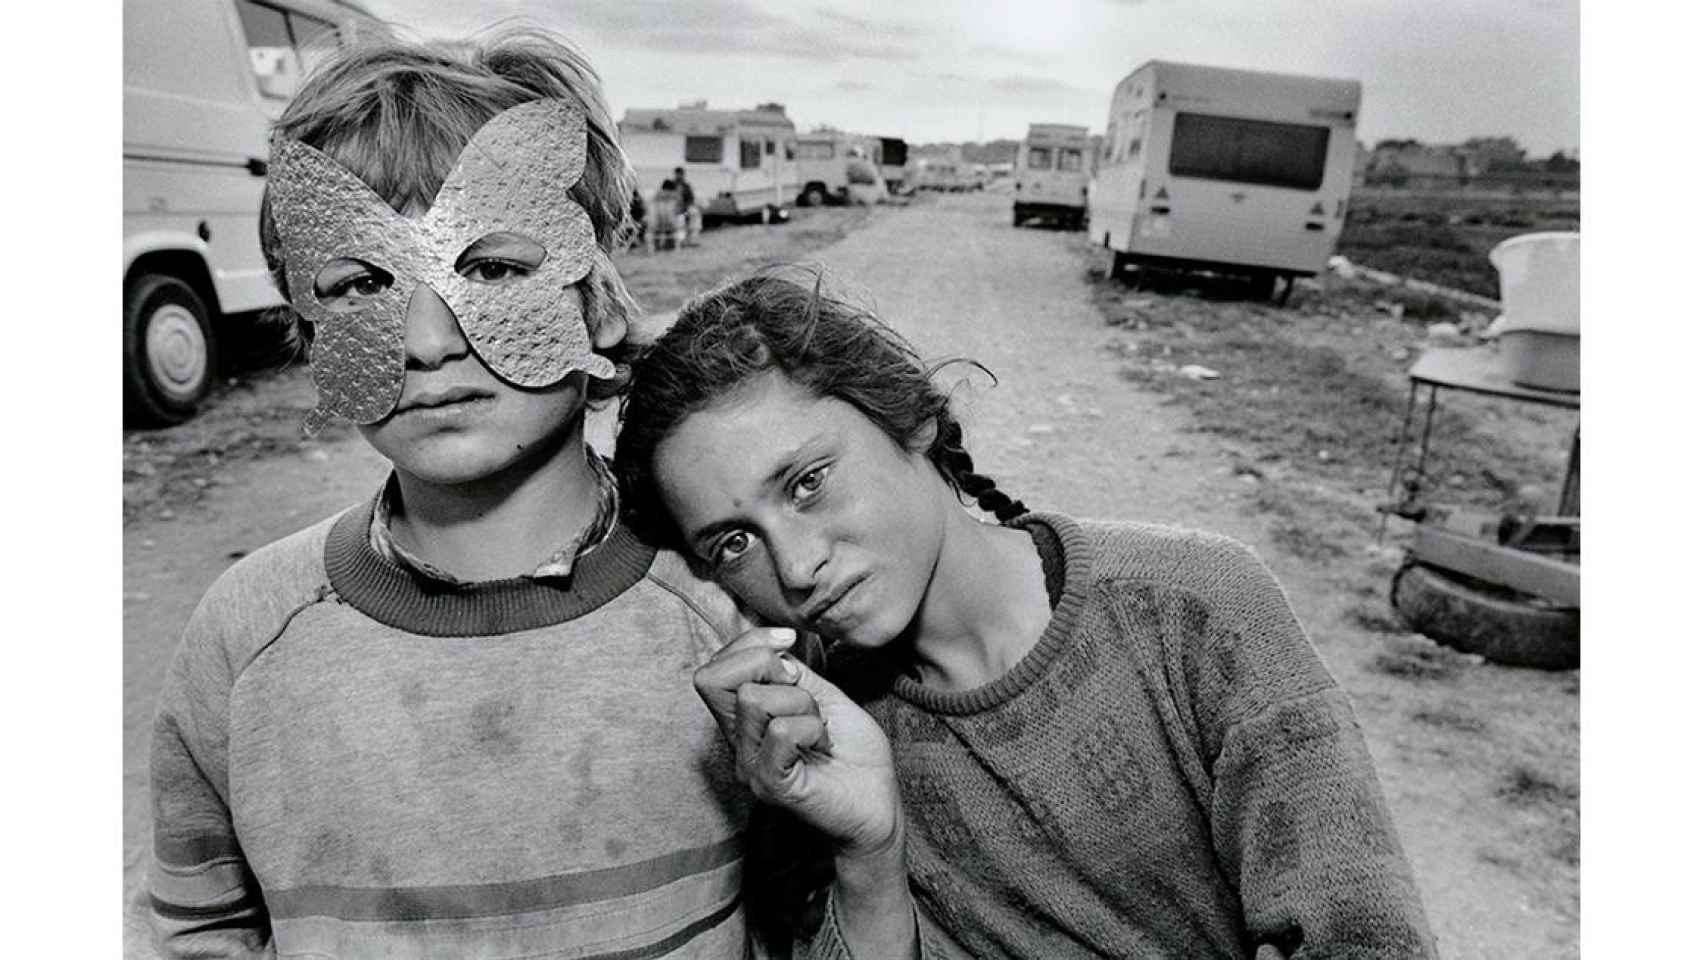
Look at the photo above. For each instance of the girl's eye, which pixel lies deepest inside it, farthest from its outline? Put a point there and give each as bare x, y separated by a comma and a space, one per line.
731, 548
809, 483
495, 271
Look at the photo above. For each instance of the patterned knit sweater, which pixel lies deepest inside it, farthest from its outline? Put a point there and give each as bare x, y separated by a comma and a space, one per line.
353, 762
1170, 772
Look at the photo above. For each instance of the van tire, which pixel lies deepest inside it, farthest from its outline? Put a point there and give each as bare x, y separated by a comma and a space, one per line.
814, 196
169, 352
1500, 625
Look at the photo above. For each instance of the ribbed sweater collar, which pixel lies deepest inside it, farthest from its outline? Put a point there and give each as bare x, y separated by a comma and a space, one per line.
1033, 665
394, 597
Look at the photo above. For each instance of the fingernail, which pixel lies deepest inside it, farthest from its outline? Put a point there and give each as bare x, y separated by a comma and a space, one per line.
782, 637
790, 669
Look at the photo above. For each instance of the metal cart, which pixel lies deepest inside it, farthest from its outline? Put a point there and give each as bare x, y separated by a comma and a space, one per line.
1505, 585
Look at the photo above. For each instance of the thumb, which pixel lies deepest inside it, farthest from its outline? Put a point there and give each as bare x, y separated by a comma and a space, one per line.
825, 693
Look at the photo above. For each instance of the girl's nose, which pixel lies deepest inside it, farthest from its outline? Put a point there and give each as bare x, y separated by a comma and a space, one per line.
431, 335
799, 559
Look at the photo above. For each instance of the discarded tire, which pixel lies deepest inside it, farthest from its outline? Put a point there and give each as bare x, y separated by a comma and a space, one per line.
1501, 625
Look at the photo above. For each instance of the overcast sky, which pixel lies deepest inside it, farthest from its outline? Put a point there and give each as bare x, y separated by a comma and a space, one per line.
1437, 70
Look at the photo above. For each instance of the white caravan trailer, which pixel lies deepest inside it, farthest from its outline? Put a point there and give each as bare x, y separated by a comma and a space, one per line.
740, 163
1226, 170
203, 80
1053, 175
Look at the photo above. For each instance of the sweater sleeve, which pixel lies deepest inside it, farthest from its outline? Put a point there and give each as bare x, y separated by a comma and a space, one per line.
828, 943
202, 899
1297, 813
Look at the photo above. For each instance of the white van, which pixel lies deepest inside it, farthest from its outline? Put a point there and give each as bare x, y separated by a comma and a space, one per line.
1053, 175
1226, 170
740, 163
203, 81
821, 157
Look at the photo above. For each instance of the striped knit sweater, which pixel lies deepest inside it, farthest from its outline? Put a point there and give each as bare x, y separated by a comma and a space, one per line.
352, 762
1170, 772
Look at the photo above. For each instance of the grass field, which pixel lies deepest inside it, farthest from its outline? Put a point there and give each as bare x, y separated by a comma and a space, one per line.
1445, 237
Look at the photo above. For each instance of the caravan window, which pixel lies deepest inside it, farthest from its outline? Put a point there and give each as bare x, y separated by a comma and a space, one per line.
704, 149
1248, 151
277, 40
1040, 158
751, 154
769, 147
1071, 161
817, 151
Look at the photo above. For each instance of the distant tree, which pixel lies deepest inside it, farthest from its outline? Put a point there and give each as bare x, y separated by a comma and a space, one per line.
1495, 154
1393, 143
1561, 162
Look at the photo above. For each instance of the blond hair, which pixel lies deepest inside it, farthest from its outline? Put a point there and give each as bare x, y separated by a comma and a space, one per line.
397, 113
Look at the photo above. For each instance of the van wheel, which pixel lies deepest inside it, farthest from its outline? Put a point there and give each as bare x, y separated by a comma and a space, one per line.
1501, 625
169, 354
814, 196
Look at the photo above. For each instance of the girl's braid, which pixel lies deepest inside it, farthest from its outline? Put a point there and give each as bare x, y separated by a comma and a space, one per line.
957, 464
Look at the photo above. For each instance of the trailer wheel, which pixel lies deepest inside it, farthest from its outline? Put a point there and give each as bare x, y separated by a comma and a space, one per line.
1475, 617
814, 196
169, 355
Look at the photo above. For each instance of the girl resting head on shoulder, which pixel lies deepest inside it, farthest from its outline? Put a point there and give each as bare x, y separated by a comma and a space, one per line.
1079, 739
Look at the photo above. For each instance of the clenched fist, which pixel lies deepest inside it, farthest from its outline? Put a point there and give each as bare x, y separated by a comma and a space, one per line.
801, 744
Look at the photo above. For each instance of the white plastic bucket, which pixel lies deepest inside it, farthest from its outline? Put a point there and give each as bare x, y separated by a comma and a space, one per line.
1540, 290
1540, 282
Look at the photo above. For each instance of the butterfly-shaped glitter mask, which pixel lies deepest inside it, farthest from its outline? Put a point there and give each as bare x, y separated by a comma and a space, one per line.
512, 177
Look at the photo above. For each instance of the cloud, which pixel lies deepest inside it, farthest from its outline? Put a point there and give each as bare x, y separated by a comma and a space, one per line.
853, 86
897, 30
1020, 85
1011, 53
731, 26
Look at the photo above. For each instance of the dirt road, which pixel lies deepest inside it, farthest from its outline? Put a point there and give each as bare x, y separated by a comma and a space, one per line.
1460, 746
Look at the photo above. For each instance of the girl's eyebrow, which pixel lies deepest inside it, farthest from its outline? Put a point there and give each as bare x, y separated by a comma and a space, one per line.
778, 473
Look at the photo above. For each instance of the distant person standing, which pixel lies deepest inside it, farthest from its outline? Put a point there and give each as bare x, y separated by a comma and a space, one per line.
689, 208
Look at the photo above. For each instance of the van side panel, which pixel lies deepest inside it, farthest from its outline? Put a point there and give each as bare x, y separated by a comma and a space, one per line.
193, 125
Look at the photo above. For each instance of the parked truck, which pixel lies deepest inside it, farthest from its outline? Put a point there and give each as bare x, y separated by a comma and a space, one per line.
203, 81
1231, 171
1053, 176
740, 163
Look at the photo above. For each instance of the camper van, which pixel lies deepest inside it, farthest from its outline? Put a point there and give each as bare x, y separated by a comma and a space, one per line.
740, 163
1225, 170
822, 158
203, 80
1052, 175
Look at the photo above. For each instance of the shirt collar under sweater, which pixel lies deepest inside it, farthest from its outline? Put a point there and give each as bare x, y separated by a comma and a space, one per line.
1075, 547
393, 596
560, 564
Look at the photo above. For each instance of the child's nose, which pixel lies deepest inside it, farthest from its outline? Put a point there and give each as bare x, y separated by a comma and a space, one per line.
431, 335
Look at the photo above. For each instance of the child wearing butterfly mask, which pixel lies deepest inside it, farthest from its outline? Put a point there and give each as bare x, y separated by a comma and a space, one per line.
410, 729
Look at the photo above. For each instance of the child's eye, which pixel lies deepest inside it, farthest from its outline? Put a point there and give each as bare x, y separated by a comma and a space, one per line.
731, 548
809, 483
344, 283
495, 271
